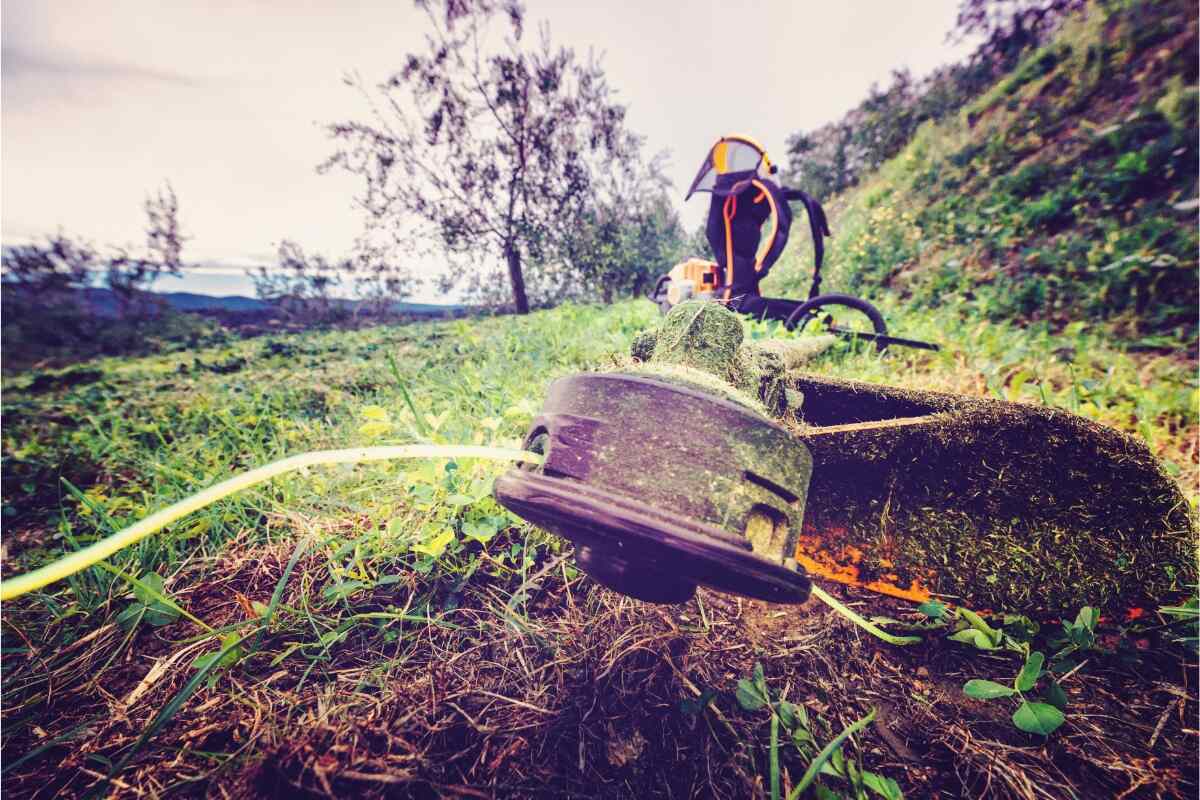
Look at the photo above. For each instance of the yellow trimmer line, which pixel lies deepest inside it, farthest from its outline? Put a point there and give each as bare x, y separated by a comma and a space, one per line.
94, 554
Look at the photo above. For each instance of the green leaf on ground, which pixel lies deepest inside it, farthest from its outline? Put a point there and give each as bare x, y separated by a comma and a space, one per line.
752, 694
435, 546
229, 654
1087, 617
975, 638
1056, 697
1020, 627
693, 707
342, 589
883, 786
1029, 674
986, 690
148, 605
484, 529
1040, 718
933, 609
749, 697
787, 714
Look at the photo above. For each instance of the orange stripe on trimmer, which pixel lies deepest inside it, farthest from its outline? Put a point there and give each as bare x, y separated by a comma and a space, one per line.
841, 564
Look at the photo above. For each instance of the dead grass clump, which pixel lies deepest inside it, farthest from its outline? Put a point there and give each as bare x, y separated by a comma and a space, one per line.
993, 504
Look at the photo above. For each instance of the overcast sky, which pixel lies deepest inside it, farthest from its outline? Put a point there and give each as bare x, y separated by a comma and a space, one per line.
102, 102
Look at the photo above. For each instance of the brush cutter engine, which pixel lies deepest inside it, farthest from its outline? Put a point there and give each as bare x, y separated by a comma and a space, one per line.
739, 175
691, 279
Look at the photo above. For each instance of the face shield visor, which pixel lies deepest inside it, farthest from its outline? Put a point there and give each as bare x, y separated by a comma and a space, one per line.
730, 165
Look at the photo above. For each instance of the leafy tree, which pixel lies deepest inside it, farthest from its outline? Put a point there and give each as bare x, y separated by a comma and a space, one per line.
821, 160
382, 277
302, 284
56, 272
49, 308
48, 279
655, 242
489, 149
629, 233
695, 244
834, 157
1009, 28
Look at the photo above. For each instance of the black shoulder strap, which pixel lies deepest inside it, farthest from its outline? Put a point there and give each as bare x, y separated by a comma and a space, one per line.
820, 229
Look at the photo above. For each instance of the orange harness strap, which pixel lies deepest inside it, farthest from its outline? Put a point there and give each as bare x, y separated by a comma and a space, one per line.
758, 261
728, 212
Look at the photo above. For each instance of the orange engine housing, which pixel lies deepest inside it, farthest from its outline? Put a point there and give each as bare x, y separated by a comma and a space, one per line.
704, 275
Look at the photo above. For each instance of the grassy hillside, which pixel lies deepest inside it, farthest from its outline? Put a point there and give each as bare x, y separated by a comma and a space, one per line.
391, 629
1065, 194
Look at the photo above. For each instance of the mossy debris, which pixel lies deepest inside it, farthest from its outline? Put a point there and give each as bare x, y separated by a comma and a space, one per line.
705, 336
998, 505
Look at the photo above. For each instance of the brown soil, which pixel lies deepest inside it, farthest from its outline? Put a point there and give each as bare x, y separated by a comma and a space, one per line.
579, 693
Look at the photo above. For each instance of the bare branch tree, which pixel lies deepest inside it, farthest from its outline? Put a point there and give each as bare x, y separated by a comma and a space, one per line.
130, 276
51, 274
303, 284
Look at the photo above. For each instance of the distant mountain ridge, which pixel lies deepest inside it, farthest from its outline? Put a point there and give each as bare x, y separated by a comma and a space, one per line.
189, 301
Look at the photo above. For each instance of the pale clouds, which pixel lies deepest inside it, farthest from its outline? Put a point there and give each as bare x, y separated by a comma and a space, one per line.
104, 102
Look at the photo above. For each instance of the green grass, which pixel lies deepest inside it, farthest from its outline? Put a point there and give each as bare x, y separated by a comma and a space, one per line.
1058, 196
156, 429
378, 554
153, 430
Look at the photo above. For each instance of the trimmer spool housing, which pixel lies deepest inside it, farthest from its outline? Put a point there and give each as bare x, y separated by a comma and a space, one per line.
663, 487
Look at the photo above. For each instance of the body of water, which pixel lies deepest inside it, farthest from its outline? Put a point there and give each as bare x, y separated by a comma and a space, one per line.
225, 283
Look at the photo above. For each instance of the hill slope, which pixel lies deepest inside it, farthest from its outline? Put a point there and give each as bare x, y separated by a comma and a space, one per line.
1066, 193
423, 638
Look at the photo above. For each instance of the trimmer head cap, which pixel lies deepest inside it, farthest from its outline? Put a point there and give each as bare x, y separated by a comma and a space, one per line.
663, 487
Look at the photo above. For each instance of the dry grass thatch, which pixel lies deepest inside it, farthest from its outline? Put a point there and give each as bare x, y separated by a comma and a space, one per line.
555, 687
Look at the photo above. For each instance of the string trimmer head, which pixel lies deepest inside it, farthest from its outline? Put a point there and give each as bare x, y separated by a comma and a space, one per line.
663, 487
